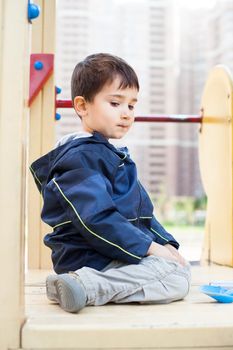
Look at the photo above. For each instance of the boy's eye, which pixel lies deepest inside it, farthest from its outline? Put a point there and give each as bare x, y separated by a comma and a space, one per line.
131, 107
114, 104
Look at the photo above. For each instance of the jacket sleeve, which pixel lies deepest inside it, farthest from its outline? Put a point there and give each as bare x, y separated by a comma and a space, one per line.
85, 196
161, 235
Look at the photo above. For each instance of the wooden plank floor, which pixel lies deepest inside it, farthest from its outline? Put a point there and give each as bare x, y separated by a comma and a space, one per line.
195, 323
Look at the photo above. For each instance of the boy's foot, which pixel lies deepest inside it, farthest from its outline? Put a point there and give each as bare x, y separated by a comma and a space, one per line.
67, 290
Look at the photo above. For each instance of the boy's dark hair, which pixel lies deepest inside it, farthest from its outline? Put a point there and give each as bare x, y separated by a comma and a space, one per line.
91, 74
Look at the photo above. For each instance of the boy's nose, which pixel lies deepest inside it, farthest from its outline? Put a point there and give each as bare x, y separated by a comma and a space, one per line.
125, 116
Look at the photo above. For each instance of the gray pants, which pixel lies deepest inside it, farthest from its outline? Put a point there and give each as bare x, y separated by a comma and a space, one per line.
153, 280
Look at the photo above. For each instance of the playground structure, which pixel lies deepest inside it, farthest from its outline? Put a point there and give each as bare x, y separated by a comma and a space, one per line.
27, 131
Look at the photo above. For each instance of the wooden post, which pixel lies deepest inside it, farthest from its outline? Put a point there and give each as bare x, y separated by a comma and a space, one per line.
42, 135
14, 74
215, 154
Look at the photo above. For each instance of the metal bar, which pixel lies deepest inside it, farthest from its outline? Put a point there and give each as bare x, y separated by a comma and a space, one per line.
64, 104
172, 118
166, 118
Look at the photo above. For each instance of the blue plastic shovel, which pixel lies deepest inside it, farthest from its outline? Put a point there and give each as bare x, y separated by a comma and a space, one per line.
222, 295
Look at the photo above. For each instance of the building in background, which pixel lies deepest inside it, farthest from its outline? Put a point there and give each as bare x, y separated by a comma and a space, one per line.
73, 35
205, 41
160, 174
193, 72
172, 49
220, 31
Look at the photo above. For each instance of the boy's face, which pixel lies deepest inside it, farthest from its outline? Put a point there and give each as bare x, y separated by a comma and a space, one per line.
111, 112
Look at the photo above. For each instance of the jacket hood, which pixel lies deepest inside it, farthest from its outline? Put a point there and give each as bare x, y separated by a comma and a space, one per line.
73, 136
41, 168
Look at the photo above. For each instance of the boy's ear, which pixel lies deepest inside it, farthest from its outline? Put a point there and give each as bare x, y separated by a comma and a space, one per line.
80, 106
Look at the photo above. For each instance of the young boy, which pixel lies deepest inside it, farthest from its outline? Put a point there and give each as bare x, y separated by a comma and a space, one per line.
107, 246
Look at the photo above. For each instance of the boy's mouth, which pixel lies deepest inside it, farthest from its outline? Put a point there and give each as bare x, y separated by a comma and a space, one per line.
123, 126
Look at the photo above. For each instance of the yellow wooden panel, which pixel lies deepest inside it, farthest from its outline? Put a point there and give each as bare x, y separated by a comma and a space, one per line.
42, 134
48, 140
35, 130
34, 197
49, 26
47, 117
37, 31
14, 63
215, 154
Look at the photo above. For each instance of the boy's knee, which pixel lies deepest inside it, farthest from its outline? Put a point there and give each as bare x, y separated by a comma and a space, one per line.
184, 286
177, 284
180, 286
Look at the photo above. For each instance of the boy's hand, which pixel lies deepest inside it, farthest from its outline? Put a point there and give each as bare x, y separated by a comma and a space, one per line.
167, 251
160, 250
175, 252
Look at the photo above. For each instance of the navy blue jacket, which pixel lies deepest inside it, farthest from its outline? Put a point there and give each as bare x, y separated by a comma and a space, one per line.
98, 209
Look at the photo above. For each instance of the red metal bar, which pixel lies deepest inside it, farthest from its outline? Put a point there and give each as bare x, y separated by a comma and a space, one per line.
172, 118
177, 118
64, 104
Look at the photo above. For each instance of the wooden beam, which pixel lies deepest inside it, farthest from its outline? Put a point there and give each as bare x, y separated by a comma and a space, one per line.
14, 73
42, 135
216, 157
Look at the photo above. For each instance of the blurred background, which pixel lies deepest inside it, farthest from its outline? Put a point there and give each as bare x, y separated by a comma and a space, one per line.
172, 45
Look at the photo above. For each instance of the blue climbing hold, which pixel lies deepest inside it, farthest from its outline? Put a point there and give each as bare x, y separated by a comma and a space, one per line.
38, 65
57, 116
58, 90
33, 11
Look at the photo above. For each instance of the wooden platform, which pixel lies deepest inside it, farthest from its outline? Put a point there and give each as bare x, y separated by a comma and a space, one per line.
198, 322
